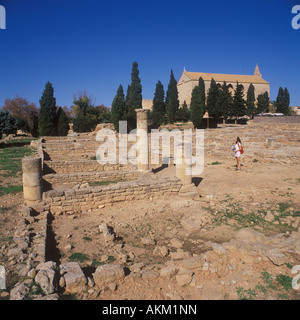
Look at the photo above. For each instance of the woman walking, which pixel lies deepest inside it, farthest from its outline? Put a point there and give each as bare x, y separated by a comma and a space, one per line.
237, 149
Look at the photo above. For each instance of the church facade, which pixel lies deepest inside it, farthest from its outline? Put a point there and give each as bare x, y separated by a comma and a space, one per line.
189, 80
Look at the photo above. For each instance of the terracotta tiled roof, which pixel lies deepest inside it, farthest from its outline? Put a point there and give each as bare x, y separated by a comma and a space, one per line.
226, 77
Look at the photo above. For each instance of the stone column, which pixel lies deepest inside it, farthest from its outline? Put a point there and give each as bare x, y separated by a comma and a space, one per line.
32, 179
142, 140
183, 162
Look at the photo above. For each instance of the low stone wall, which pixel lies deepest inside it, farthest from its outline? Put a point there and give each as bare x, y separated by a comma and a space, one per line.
72, 201
277, 119
65, 166
30, 240
71, 179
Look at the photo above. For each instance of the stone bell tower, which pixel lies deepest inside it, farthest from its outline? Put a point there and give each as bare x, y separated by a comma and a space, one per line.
257, 72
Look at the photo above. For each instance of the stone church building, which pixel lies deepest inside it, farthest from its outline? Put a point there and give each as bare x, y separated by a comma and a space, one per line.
189, 80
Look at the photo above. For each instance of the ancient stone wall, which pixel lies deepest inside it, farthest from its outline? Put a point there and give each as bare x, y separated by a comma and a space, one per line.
83, 200
277, 119
69, 166
72, 179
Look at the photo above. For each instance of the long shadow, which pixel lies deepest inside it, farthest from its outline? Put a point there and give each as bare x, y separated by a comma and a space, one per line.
162, 167
46, 186
47, 169
13, 144
52, 251
197, 180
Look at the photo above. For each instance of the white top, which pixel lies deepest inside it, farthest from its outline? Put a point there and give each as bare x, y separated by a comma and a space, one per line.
237, 147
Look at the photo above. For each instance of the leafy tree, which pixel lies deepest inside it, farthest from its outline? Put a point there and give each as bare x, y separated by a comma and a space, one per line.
47, 114
83, 124
250, 102
212, 100
24, 112
8, 124
283, 101
263, 102
134, 96
197, 106
224, 101
239, 104
183, 113
172, 101
159, 106
86, 115
63, 122
103, 113
118, 109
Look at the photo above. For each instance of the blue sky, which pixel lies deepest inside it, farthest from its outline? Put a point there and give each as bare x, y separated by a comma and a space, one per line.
90, 45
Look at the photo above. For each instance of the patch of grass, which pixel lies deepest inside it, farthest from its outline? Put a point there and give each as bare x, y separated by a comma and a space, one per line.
246, 294
100, 183
268, 280
243, 219
284, 281
96, 263
5, 209
111, 259
78, 257
280, 285
253, 219
10, 189
283, 206
215, 163
35, 289
87, 239
296, 213
7, 240
11, 160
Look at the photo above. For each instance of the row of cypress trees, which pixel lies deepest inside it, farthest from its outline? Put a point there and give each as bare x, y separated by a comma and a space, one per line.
165, 105
220, 102
123, 108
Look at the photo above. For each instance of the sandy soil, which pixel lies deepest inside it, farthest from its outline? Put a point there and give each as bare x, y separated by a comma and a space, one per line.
140, 227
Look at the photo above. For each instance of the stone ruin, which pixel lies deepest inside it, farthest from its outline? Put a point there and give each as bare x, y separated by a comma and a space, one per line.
56, 181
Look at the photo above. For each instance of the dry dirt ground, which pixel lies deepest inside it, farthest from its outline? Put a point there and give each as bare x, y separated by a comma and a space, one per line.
152, 232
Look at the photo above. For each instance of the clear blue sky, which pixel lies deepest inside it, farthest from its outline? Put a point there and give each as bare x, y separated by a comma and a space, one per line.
90, 45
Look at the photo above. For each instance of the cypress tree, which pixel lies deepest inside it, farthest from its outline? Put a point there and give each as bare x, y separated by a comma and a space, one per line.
238, 105
287, 100
159, 107
197, 106
212, 100
47, 114
224, 101
63, 123
127, 100
250, 102
172, 101
283, 101
118, 110
135, 98
263, 102
201, 85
